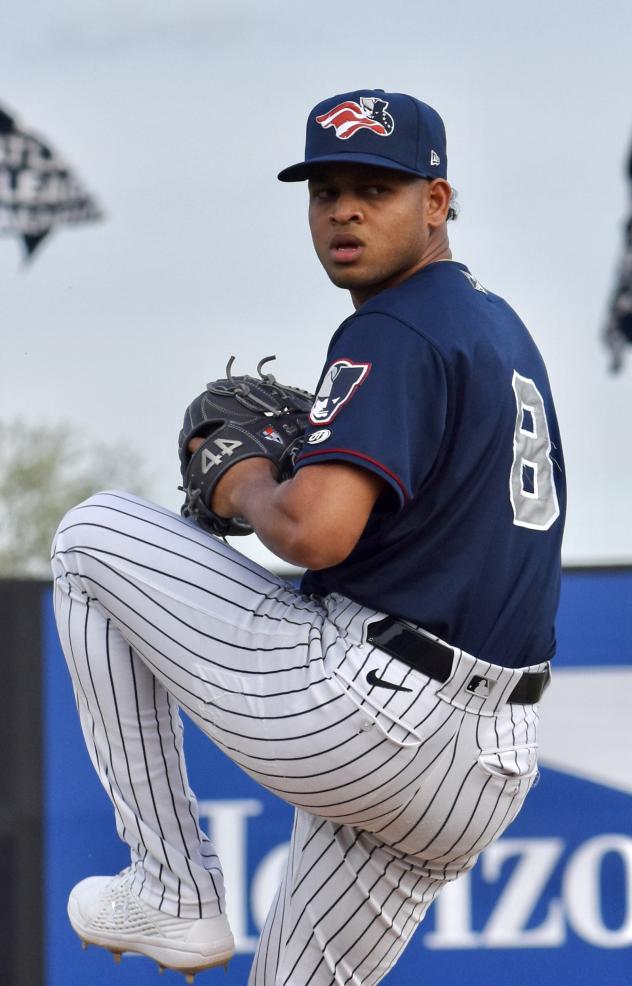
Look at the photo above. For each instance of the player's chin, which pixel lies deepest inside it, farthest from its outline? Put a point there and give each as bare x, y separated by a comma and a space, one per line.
348, 276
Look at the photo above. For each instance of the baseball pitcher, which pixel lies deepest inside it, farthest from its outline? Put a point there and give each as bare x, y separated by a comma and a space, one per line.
391, 699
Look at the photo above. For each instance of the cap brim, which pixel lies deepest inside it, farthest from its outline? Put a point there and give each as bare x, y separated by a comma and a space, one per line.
305, 169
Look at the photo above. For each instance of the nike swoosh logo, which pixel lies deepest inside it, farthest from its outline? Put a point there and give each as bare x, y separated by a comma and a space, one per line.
373, 679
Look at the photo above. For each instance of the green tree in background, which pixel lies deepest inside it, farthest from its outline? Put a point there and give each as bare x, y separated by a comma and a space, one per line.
43, 472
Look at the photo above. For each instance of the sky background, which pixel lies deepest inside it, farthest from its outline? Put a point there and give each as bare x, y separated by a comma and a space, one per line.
178, 117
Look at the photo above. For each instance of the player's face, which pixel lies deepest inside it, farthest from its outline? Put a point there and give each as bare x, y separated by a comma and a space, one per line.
372, 228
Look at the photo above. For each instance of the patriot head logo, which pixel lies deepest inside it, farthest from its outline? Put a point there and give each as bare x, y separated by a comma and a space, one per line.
349, 117
340, 383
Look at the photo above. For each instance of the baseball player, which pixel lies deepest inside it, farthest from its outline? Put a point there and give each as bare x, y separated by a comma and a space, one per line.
393, 698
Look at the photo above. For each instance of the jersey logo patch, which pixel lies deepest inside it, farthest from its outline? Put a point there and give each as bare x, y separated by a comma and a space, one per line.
340, 383
349, 117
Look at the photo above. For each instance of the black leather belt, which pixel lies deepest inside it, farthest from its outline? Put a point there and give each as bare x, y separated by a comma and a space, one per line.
435, 660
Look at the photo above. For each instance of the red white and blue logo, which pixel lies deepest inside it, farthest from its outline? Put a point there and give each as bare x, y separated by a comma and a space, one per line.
340, 383
271, 435
349, 117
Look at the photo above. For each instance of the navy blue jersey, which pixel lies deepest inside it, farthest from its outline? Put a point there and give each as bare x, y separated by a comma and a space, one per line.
437, 386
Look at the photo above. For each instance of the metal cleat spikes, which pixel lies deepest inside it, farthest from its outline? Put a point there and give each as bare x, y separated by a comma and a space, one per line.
161, 969
117, 957
190, 977
84, 945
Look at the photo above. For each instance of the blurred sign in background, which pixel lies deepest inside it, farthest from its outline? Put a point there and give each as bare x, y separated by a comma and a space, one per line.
550, 902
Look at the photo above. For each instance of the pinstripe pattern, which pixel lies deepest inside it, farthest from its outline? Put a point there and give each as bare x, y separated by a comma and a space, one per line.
396, 792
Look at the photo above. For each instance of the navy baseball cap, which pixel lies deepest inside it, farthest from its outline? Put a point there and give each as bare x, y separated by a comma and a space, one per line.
370, 126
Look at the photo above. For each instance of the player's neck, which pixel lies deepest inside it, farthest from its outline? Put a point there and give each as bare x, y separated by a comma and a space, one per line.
361, 295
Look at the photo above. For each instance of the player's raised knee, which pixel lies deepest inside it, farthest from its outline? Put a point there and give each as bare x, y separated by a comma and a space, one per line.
97, 512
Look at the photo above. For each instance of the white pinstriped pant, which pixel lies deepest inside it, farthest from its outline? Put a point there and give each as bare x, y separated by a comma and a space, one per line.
396, 792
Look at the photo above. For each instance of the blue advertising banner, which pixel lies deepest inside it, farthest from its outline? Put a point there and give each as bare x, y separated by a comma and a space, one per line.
550, 903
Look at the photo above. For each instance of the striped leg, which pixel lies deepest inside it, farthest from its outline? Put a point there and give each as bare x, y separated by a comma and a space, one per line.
245, 655
138, 621
345, 911
350, 902
131, 724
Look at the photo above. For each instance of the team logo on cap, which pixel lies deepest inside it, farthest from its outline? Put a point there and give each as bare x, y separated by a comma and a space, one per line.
340, 383
349, 117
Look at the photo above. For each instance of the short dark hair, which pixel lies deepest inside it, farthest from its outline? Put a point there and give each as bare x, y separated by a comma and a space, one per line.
454, 209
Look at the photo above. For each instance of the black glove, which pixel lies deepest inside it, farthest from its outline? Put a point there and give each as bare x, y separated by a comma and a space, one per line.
239, 418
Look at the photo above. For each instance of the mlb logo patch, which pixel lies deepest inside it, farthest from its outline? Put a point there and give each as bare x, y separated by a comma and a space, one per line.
479, 686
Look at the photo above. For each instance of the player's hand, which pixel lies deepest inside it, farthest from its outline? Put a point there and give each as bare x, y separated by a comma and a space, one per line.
236, 419
225, 500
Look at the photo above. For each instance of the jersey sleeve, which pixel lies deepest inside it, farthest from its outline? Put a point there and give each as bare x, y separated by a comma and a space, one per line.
381, 403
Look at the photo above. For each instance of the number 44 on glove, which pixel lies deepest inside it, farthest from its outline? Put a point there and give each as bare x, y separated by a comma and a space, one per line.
238, 418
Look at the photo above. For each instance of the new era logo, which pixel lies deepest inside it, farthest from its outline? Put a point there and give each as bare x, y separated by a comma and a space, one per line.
435, 160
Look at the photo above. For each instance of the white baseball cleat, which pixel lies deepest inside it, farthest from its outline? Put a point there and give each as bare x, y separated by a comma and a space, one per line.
104, 911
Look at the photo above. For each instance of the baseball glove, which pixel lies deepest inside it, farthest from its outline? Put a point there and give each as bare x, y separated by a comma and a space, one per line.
239, 418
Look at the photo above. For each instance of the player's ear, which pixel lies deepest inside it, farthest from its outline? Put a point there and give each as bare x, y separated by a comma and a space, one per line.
439, 196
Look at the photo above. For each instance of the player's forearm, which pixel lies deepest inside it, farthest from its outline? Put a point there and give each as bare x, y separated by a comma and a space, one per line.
287, 523
268, 507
